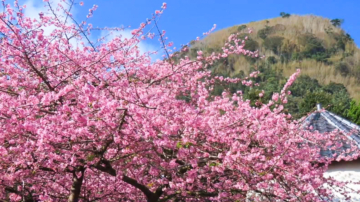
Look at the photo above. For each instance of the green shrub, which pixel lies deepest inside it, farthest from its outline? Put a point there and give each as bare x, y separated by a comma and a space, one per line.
193, 52
341, 40
337, 22
292, 107
340, 102
284, 15
271, 60
273, 43
353, 113
311, 99
263, 33
321, 57
241, 28
304, 84
218, 89
212, 49
342, 68
334, 88
296, 56
251, 45
313, 48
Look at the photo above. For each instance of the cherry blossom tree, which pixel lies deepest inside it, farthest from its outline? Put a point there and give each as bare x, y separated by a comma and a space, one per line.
87, 122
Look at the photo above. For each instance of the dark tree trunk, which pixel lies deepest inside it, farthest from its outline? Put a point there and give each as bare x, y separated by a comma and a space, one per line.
76, 187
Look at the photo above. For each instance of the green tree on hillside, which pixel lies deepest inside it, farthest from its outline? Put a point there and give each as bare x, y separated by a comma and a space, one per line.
337, 22
340, 103
353, 114
310, 100
284, 15
304, 84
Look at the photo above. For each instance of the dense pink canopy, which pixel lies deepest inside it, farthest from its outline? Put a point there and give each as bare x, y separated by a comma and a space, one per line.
104, 123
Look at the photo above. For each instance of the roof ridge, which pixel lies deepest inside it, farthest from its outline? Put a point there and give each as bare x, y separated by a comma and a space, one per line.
345, 121
339, 123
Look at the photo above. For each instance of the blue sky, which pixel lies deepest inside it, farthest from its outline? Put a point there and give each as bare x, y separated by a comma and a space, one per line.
184, 20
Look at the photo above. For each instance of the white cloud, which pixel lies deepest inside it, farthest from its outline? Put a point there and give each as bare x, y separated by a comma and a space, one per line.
143, 46
35, 7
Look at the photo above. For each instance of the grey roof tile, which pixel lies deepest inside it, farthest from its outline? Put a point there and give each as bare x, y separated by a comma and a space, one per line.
324, 121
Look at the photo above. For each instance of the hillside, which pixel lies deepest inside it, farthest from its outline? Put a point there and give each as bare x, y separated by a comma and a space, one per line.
321, 50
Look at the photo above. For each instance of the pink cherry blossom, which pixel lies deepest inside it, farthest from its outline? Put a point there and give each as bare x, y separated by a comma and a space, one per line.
103, 122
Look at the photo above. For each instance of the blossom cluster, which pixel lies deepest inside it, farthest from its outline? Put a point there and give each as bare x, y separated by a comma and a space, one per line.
104, 123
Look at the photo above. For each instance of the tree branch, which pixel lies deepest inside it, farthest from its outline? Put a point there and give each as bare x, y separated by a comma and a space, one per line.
107, 168
151, 197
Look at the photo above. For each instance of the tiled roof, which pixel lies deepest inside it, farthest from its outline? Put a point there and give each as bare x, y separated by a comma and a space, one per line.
324, 121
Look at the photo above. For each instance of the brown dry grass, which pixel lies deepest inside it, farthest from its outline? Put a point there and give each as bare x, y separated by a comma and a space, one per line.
290, 28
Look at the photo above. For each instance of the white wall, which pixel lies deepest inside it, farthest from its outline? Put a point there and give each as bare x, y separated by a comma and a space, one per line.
346, 171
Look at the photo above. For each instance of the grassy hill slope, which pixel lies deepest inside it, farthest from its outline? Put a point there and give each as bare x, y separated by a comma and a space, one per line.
321, 50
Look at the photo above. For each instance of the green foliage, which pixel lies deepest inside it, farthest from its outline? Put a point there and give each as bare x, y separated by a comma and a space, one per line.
193, 52
334, 97
271, 60
329, 30
251, 45
304, 84
333, 88
273, 43
353, 113
184, 96
214, 164
313, 48
348, 37
284, 15
212, 49
263, 33
180, 145
322, 57
298, 48
341, 40
252, 95
311, 99
340, 102
241, 28
296, 56
90, 157
305, 92
340, 43
292, 107
342, 68
337, 22
218, 89
288, 48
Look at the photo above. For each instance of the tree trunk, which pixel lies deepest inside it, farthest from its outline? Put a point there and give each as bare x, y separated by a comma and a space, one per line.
153, 199
76, 187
